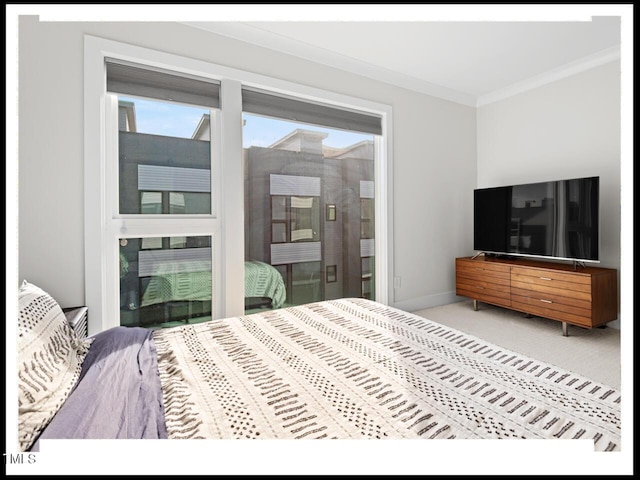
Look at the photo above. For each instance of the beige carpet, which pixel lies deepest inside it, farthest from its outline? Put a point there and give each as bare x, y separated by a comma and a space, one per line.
593, 353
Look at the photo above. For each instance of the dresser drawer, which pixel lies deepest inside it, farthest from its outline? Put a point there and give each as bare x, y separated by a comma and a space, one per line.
542, 276
583, 292
481, 286
545, 296
551, 284
482, 269
487, 296
549, 309
483, 279
483, 290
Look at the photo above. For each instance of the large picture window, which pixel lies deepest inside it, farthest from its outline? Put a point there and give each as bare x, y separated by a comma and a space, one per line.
180, 190
302, 170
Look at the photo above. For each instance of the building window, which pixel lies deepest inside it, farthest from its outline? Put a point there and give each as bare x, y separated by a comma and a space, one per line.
332, 273
368, 278
295, 219
366, 218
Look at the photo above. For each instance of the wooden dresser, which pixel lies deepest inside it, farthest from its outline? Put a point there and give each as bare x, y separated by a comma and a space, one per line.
584, 296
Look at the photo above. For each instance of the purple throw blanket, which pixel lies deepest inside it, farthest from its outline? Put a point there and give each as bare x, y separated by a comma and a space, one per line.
118, 394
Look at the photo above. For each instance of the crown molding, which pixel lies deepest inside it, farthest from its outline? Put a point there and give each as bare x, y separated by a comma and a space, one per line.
257, 36
266, 39
587, 63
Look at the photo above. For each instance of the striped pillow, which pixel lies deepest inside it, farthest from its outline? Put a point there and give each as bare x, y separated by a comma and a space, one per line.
50, 358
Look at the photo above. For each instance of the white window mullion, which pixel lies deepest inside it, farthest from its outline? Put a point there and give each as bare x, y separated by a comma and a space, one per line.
232, 203
217, 241
383, 210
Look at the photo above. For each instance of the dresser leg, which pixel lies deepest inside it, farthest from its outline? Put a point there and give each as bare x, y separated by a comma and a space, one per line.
475, 305
565, 329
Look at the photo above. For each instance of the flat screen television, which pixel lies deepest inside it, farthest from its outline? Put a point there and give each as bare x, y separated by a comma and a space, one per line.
557, 220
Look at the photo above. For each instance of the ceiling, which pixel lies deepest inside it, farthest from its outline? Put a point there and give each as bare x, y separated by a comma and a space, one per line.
469, 62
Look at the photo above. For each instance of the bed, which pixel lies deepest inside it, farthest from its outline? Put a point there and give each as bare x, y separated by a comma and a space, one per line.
341, 369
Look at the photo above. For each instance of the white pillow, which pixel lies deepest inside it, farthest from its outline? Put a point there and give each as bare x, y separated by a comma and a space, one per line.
50, 357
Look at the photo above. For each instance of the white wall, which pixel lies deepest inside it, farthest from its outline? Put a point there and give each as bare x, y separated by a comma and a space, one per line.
433, 206
566, 129
434, 153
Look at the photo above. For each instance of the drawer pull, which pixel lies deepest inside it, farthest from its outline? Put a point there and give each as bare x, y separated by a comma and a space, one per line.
546, 278
479, 287
545, 301
479, 268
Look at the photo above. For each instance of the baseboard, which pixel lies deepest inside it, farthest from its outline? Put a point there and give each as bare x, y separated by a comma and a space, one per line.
428, 301
615, 324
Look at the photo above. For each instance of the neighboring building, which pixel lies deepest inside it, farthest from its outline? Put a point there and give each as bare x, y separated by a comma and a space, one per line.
317, 228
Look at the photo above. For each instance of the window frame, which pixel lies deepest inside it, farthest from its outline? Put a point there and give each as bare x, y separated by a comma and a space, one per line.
226, 222
127, 225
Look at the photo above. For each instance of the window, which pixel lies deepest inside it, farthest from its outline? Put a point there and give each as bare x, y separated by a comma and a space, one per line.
164, 157
154, 197
368, 279
366, 218
165, 281
298, 157
294, 219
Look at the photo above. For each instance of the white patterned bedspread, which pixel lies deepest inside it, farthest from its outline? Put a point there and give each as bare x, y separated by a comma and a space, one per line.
353, 368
